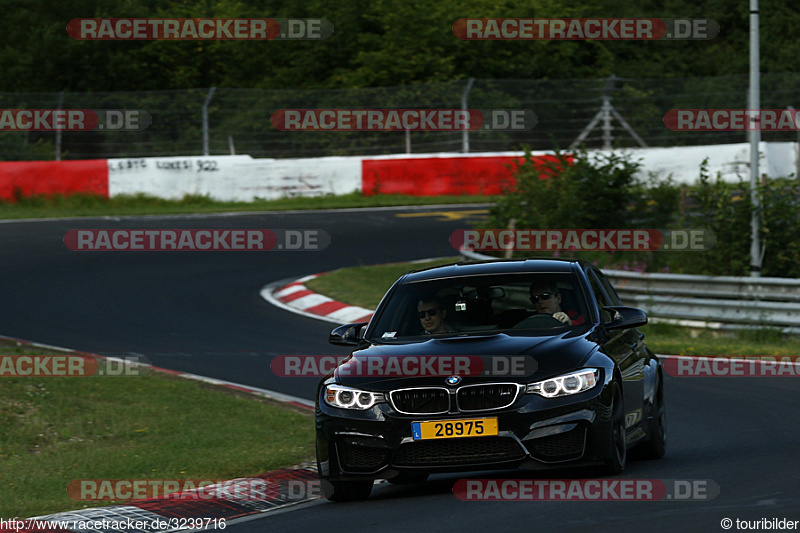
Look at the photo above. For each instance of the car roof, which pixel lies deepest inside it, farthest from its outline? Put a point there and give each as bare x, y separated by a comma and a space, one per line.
498, 266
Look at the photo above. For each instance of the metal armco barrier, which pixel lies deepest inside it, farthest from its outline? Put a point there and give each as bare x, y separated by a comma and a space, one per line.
718, 302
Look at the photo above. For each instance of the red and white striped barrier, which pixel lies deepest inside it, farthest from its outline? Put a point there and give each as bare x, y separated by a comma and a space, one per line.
242, 178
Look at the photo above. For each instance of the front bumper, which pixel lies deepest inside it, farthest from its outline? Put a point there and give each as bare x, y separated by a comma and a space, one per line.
534, 433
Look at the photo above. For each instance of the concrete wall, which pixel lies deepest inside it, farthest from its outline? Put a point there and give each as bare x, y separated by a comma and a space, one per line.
242, 178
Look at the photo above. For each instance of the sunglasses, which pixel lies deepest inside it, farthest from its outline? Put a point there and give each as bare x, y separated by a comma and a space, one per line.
544, 296
428, 312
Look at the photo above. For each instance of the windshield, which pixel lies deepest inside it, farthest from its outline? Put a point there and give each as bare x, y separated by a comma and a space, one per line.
483, 305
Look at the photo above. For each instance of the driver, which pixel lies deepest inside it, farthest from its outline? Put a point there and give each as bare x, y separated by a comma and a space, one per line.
546, 299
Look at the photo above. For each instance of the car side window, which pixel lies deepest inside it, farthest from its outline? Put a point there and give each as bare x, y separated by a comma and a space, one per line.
612, 294
600, 295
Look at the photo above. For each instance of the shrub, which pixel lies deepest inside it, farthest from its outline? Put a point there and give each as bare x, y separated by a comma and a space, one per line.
601, 191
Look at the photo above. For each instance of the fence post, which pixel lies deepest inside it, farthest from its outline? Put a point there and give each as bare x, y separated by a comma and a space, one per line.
608, 135
205, 120
796, 149
465, 133
58, 131
754, 103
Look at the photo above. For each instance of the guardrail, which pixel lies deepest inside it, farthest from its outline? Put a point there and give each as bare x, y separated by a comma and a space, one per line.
717, 302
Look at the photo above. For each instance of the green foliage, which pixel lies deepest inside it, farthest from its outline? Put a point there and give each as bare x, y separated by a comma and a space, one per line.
375, 43
655, 202
23, 146
601, 192
579, 191
725, 209
780, 228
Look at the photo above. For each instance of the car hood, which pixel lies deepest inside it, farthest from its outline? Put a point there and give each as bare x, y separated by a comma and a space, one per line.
490, 358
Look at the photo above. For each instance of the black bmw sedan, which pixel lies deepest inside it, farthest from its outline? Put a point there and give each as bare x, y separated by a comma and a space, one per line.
489, 365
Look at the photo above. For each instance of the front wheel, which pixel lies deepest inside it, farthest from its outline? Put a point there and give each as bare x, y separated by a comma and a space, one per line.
619, 447
346, 491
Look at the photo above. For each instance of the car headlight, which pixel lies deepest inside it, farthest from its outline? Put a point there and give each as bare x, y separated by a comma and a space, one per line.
572, 383
350, 398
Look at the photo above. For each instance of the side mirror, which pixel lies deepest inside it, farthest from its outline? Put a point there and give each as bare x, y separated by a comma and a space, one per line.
347, 335
625, 317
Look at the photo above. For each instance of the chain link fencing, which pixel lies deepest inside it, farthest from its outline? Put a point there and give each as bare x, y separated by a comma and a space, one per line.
223, 121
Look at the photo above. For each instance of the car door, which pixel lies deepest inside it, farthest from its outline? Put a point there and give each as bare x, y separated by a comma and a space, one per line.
625, 346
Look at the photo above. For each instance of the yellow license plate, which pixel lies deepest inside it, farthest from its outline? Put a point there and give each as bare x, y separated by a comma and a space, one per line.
451, 429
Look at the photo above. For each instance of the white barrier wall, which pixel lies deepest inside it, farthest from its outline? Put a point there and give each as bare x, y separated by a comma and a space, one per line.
234, 178
731, 160
242, 178
777, 159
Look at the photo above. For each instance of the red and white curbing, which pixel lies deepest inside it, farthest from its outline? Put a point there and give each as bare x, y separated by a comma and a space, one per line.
296, 297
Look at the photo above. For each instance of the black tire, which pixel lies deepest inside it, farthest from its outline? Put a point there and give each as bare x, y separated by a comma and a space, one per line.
407, 478
346, 491
656, 446
619, 447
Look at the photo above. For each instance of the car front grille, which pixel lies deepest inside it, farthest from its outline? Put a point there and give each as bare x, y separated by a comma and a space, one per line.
470, 398
484, 397
560, 447
461, 451
422, 401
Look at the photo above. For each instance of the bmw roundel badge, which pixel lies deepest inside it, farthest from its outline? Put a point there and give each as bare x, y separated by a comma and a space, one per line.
453, 380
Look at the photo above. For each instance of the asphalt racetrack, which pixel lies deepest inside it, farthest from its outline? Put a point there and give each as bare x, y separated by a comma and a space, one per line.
201, 312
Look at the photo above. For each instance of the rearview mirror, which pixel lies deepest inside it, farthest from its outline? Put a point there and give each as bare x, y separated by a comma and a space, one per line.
625, 317
347, 335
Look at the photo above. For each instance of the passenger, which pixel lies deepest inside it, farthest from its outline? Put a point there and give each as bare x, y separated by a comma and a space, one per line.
432, 316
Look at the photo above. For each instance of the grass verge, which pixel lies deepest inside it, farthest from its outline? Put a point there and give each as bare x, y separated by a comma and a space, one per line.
365, 286
153, 426
79, 205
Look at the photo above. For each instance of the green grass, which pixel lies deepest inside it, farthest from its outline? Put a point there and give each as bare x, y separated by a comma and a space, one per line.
154, 426
365, 286
671, 339
93, 205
